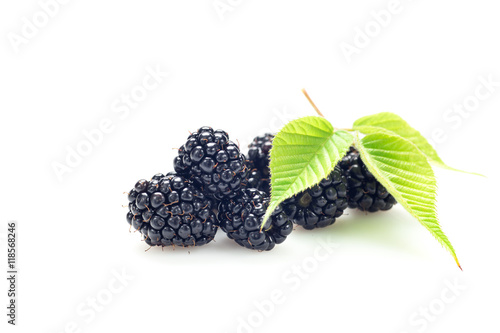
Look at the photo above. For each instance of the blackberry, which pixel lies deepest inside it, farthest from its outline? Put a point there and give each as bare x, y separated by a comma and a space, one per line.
254, 178
258, 156
259, 149
170, 210
213, 162
241, 218
363, 190
319, 206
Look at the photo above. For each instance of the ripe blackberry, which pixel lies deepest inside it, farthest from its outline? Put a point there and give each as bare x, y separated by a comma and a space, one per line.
170, 210
319, 206
258, 156
363, 190
258, 150
241, 218
213, 162
256, 179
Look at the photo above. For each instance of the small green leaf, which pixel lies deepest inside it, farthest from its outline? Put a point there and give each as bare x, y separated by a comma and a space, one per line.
406, 173
390, 123
304, 152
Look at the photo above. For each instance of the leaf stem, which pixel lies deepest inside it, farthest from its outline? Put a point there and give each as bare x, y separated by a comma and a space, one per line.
312, 103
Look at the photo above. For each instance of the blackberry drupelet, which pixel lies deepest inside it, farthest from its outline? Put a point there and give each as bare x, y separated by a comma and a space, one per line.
258, 156
241, 218
170, 210
363, 190
319, 206
254, 178
258, 150
213, 162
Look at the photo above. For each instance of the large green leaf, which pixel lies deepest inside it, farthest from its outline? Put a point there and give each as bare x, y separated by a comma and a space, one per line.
390, 123
406, 173
304, 152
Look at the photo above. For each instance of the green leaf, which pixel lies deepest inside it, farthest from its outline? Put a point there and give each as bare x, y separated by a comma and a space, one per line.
304, 152
390, 123
406, 173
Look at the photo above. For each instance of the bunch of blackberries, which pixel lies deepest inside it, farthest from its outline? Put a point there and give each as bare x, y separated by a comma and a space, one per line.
215, 186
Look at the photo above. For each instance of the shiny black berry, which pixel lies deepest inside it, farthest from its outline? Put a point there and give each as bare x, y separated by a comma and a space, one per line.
242, 216
256, 179
321, 205
364, 191
258, 158
212, 162
170, 210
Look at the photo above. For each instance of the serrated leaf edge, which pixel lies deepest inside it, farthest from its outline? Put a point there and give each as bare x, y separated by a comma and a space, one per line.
395, 193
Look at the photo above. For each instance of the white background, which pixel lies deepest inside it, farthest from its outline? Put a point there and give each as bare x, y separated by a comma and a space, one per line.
242, 71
